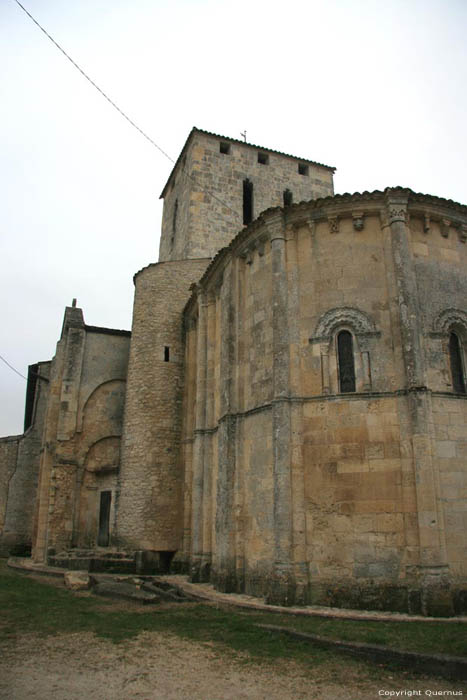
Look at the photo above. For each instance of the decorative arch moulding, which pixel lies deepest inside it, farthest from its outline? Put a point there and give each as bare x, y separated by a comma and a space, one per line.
344, 317
447, 320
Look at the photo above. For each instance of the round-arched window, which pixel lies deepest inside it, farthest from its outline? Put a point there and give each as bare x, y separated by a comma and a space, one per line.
346, 362
457, 368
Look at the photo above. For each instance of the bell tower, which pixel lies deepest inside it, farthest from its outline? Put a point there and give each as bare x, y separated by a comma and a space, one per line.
218, 185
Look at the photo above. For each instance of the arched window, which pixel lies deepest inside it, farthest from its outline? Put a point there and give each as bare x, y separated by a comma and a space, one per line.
457, 369
346, 362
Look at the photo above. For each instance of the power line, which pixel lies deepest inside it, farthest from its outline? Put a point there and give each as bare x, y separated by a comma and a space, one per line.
31, 371
115, 106
11, 367
93, 83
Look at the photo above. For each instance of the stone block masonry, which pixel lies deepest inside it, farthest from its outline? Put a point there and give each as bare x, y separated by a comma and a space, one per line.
19, 469
203, 199
148, 514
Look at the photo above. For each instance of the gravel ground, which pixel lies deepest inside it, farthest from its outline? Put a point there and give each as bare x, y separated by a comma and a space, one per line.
157, 666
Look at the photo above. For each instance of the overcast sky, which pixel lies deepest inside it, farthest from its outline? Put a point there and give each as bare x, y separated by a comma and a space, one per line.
377, 89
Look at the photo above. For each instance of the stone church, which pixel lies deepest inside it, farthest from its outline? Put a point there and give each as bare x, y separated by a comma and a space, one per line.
287, 417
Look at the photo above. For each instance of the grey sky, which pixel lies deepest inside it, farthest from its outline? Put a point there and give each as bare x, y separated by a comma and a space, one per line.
375, 89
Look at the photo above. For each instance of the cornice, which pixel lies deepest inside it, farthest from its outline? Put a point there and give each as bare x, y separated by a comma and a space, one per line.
357, 205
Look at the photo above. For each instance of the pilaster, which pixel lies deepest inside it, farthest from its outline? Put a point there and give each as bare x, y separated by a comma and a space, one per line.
224, 575
199, 442
433, 569
282, 586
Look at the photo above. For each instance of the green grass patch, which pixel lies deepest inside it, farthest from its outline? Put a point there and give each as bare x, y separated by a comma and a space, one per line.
429, 637
29, 605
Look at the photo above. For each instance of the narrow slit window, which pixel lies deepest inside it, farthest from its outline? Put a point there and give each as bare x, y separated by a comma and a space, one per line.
288, 198
247, 201
457, 369
263, 158
174, 222
174, 217
346, 362
224, 148
302, 169
166, 354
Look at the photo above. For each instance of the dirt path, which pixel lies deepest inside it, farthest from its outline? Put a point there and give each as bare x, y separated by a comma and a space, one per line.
157, 666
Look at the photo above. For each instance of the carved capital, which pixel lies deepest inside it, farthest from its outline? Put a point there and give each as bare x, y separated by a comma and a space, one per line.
211, 296
397, 213
396, 205
217, 286
274, 224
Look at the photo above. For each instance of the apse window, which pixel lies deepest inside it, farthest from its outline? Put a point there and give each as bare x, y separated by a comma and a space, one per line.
303, 169
346, 362
224, 148
457, 367
166, 354
263, 158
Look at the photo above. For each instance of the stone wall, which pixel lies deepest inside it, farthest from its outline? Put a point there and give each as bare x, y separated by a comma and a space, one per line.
19, 469
148, 514
298, 490
81, 443
203, 199
8, 458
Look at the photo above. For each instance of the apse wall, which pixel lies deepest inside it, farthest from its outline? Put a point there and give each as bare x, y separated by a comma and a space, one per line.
327, 455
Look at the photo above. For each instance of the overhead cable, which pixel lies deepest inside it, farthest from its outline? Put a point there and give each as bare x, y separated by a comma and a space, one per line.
115, 106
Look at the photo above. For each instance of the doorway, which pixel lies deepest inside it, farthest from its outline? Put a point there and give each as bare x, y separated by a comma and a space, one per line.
104, 519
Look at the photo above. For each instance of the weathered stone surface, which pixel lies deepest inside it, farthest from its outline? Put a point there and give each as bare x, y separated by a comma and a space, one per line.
125, 591
77, 580
19, 469
291, 423
203, 213
342, 492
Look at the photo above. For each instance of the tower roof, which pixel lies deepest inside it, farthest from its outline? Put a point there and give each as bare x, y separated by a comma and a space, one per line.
195, 130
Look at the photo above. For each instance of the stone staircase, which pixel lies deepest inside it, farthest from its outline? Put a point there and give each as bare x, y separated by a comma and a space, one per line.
94, 561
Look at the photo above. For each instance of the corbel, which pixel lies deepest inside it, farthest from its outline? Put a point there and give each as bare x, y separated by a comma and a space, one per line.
357, 220
426, 223
444, 225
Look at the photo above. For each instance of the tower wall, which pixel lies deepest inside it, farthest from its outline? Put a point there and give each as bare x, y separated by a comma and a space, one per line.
203, 199
148, 513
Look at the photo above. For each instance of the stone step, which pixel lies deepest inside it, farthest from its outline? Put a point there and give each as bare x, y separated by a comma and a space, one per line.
117, 565
125, 591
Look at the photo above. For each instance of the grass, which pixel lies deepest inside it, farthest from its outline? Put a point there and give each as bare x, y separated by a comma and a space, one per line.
30, 605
